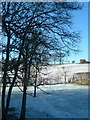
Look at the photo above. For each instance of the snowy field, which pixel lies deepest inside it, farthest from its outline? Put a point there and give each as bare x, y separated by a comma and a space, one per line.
59, 101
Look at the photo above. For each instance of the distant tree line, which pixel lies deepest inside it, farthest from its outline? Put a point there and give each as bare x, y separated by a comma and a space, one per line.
82, 61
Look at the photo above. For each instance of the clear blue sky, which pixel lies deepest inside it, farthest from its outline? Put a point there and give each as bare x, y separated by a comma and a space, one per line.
80, 20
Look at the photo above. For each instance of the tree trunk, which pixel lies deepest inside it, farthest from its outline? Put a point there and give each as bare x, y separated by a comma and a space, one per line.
3, 101
65, 78
23, 108
11, 87
35, 86
4, 79
9, 96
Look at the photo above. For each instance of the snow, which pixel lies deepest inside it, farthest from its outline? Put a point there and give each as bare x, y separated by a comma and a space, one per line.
59, 101
55, 73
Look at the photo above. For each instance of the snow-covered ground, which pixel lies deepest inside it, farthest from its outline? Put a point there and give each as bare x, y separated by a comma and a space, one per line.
62, 101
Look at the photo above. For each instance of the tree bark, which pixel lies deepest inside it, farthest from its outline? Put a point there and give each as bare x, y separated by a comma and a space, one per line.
12, 84
4, 78
35, 86
23, 108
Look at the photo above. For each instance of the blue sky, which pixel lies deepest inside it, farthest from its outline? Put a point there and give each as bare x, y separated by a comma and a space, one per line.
80, 19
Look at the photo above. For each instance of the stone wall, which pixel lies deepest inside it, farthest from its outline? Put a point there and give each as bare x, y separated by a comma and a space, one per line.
83, 78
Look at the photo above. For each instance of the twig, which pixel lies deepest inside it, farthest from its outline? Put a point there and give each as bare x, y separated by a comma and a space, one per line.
43, 90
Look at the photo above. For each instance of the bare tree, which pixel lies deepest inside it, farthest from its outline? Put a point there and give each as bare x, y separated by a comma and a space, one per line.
8, 16
65, 74
43, 25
